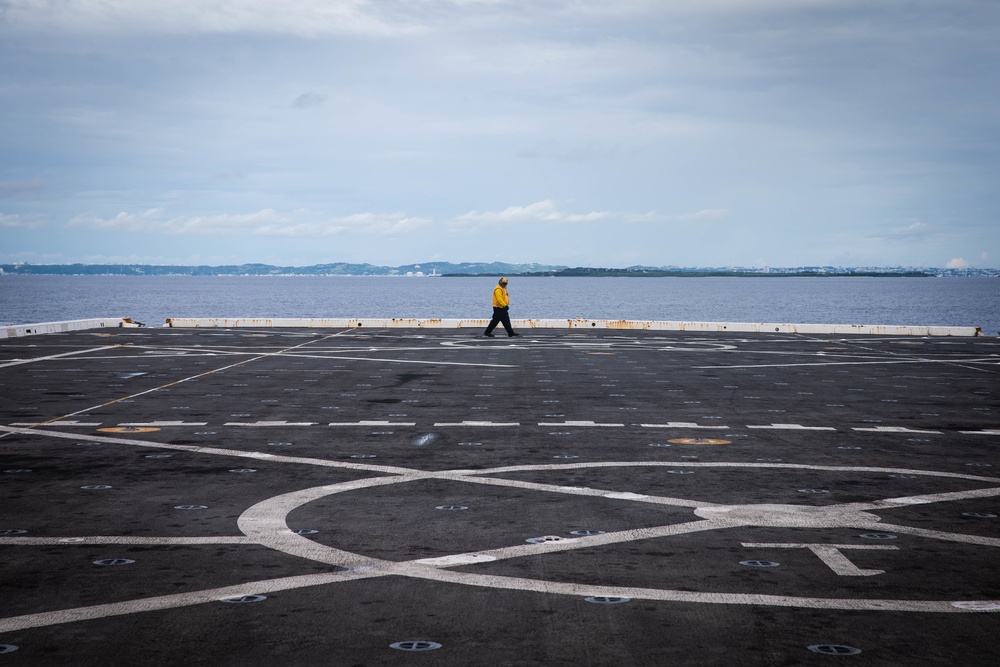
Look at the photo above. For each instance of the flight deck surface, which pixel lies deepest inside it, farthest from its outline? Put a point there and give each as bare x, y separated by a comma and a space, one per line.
407, 497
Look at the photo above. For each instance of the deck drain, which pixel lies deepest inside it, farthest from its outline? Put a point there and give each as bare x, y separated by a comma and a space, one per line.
8, 648
980, 515
15, 471
834, 649
451, 507
902, 476
768, 460
96, 487
471, 444
190, 507
243, 470
159, 456
602, 599
114, 561
759, 563
660, 444
565, 456
12, 531
88, 444
979, 465
205, 433
415, 646
241, 599
848, 447
279, 444
681, 472
362, 456
559, 433
305, 531
878, 536
814, 491
544, 539
586, 532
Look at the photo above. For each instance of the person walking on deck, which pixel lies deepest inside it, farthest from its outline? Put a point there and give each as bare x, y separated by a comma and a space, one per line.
501, 306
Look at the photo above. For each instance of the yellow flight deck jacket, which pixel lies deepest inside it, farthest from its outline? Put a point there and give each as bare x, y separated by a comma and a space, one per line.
500, 299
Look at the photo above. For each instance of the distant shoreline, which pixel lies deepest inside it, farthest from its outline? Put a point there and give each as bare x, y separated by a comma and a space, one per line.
471, 269
624, 273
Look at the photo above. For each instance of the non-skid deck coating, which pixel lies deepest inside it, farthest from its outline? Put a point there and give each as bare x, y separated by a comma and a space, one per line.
335, 497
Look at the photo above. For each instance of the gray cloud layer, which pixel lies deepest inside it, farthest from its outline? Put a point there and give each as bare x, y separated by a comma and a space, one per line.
686, 132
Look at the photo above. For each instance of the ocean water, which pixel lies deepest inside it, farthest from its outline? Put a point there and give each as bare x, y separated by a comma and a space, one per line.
153, 299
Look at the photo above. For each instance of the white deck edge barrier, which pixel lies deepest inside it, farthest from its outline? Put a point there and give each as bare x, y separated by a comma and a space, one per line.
636, 325
18, 330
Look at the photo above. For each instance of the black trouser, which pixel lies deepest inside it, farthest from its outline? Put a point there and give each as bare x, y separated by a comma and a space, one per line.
500, 316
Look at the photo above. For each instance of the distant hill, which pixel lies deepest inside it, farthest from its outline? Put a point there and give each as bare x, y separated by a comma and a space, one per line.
476, 269
335, 269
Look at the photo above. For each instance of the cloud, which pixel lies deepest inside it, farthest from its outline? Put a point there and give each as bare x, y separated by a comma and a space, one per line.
957, 263
542, 211
266, 222
704, 215
916, 230
308, 100
303, 17
586, 151
546, 211
21, 221
16, 188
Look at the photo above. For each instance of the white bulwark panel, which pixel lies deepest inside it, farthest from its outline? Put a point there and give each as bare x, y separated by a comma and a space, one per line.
641, 325
18, 330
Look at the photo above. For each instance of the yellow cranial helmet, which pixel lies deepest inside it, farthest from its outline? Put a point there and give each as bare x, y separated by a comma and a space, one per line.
503, 281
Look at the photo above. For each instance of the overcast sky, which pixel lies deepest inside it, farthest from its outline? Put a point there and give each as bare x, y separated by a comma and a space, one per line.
576, 132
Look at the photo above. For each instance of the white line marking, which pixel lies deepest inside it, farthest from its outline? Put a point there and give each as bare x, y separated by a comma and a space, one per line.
270, 423
19, 362
985, 431
477, 423
876, 362
831, 556
63, 422
794, 427
112, 539
380, 360
364, 422
576, 423
893, 429
940, 535
681, 425
174, 601
163, 423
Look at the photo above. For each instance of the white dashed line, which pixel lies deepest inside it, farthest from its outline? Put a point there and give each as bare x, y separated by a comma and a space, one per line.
477, 423
364, 422
270, 423
793, 427
163, 423
892, 429
577, 423
62, 422
681, 425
